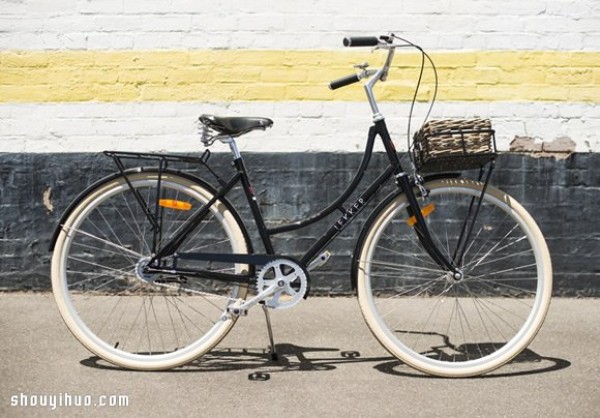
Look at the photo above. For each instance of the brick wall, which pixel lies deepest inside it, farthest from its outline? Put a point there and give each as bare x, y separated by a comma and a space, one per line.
80, 76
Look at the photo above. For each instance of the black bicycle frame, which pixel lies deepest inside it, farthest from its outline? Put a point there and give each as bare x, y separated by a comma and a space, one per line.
348, 214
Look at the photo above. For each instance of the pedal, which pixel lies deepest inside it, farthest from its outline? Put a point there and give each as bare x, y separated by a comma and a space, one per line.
320, 261
237, 311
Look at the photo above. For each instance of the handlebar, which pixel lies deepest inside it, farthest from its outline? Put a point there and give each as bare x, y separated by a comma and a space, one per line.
381, 42
385, 42
361, 41
344, 81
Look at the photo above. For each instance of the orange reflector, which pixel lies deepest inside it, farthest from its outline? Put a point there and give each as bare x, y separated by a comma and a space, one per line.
174, 204
426, 210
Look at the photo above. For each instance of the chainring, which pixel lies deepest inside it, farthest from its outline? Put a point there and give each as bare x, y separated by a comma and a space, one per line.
291, 279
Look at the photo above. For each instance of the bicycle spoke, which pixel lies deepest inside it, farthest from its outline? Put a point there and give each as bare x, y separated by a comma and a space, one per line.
123, 250
141, 237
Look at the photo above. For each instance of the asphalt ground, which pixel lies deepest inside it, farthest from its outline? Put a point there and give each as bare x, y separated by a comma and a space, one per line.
330, 365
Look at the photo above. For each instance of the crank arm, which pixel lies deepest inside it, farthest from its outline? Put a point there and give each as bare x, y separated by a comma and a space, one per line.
242, 309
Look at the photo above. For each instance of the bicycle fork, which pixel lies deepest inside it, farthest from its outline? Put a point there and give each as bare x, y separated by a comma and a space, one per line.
414, 211
422, 230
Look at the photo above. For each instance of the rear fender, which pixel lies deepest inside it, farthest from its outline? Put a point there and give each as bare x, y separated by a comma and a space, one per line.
115, 176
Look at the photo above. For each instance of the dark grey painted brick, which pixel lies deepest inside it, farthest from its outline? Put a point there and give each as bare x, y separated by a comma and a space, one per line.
563, 195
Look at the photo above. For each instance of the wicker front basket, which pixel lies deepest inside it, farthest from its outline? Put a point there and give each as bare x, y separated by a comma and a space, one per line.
454, 145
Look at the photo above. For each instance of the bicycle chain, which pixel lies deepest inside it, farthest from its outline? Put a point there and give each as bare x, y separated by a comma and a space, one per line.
198, 292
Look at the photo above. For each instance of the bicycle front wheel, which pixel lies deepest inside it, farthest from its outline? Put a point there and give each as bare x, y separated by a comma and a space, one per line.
124, 315
439, 324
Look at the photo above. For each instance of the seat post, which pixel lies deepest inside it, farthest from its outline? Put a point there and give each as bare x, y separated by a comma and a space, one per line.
232, 146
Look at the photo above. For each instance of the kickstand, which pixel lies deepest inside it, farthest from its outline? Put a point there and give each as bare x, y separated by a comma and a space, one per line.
272, 353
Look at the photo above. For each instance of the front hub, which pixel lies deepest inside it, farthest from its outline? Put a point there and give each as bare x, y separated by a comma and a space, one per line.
455, 277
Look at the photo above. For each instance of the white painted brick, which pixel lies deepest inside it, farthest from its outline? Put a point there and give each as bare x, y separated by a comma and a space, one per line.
122, 40
563, 41
74, 40
288, 110
262, 24
9, 23
102, 7
152, 6
205, 40
549, 24
520, 8
192, 6
354, 23
115, 23
159, 110
66, 22
475, 8
7, 41
166, 22
576, 9
214, 22
50, 7
592, 41
510, 41
437, 7
496, 23
590, 112
26, 40
443, 24
403, 25
154, 40
150, 127
99, 40
9, 7
16, 145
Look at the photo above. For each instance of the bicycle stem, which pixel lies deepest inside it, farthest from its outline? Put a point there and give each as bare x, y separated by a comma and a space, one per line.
380, 74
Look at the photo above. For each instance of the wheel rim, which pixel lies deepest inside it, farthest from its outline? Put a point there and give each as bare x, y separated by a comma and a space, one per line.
112, 308
463, 327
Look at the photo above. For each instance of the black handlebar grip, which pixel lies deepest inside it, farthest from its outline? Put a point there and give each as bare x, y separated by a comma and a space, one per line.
361, 41
344, 81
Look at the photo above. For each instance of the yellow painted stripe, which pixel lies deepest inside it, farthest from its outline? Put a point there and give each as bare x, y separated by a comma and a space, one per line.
227, 75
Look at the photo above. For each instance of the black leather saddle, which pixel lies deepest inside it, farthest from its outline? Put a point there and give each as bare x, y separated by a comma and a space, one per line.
235, 126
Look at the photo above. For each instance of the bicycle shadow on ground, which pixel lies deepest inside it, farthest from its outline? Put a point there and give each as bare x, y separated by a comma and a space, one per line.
290, 357
525, 363
306, 359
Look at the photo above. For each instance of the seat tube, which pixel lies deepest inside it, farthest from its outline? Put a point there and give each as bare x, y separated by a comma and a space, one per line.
252, 202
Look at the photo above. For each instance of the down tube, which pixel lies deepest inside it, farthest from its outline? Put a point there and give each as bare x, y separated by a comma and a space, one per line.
347, 217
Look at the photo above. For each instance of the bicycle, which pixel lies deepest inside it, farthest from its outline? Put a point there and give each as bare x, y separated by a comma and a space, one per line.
153, 266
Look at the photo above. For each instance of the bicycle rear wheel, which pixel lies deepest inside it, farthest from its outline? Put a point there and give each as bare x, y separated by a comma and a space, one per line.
430, 320
128, 317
